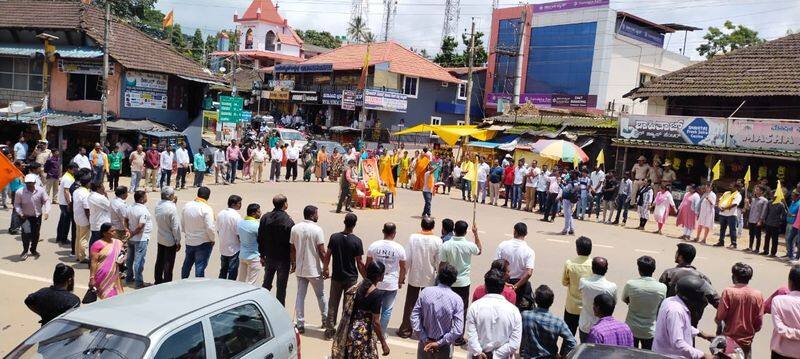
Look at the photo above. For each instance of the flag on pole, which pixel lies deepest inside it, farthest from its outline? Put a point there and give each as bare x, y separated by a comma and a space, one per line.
168, 21
362, 80
778, 194
716, 170
601, 158
576, 161
747, 178
8, 172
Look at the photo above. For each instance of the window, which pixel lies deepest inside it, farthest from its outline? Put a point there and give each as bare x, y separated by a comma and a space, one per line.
65, 339
248, 39
21, 73
560, 60
462, 91
410, 86
269, 41
435, 121
83, 87
645, 78
187, 343
238, 330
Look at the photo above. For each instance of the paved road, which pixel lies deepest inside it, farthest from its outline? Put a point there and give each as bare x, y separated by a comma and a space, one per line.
620, 245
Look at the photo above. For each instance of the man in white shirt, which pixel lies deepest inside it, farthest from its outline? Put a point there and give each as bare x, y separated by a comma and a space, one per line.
81, 159
275, 156
166, 160
483, 174
199, 230
64, 198
292, 155
307, 249
591, 287
119, 210
182, 159
598, 179
80, 214
493, 325
99, 210
259, 157
531, 179
521, 259
541, 188
169, 235
519, 177
393, 256
729, 214
21, 150
422, 261
220, 166
139, 223
228, 231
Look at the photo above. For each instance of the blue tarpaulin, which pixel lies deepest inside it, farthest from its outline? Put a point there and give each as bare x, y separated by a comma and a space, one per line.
66, 51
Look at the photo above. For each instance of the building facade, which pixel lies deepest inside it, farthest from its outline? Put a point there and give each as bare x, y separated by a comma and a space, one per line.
576, 54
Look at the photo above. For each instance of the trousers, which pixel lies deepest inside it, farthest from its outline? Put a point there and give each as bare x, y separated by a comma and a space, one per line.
338, 288
165, 263
180, 179
30, 233
318, 284
275, 170
137, 251
196, 256
412, 294
229, 267
281, 268
727, 222
428, 197
291, 169
249, 271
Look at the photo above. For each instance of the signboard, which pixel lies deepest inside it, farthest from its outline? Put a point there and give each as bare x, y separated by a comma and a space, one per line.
303, 68
385, 101
349, 100
778, 135
247, 116
281, 84
230, 109
275, 95
547, 100
704, 131
146, 80
83, 67
638, 32
146, 99
354, 98
305, 96
210, 119
568, 5
227, 131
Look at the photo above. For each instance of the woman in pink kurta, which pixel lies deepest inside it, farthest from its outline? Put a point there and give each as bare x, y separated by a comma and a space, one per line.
705, 217
662, 205
686, 212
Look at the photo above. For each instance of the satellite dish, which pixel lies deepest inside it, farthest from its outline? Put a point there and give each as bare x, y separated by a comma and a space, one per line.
17, 107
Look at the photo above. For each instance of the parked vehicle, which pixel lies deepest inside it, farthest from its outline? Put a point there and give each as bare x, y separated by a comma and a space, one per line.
208, 318
591, 351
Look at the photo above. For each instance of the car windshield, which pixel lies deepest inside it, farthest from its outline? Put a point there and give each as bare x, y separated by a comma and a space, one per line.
289, 136
67, 339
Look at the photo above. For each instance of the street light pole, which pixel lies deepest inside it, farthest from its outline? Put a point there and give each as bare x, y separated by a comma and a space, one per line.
104, 95
469, 74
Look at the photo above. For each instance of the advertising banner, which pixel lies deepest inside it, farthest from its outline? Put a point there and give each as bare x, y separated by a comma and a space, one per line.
146, 90
281, 84
145, 99
84, 67
568, 5
385, 101
350, 99
210, 119
761, 134
146, 80
694, 130
547, 100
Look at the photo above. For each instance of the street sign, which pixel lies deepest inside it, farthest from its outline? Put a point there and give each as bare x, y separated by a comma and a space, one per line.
230, 109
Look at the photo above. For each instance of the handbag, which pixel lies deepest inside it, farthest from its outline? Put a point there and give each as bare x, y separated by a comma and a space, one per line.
90, 296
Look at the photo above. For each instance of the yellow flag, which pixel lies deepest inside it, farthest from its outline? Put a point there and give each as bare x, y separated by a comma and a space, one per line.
576, 162
716, 170
778, 194
168, 21
362, 80
747, 178
601, 158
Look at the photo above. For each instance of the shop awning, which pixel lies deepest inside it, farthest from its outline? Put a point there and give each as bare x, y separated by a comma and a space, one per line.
195, 79
778, 155
54, 119
450, 134
65, 51
163, 134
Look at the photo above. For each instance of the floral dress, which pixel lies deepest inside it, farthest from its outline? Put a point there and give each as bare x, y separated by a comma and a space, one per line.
355, 337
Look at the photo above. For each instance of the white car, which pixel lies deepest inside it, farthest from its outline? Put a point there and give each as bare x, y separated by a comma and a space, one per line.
288, 135
195, 318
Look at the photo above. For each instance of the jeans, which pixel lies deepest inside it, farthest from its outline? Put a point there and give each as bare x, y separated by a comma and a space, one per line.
136, 176
551, 207
98, 174
730, 222
198, 178
516, 196
481, 192
583, 204
318, 284
541, 198
338, 288
466, 189
137, 251
569, 227
64, 224
165, 262
229, 267
180, 179
791, 241
196, 256
596, 201
387, 304
275, 171
232, 164
291, 169
426, 210
622, 207
113, 179
30, 233
166, 177
281, 267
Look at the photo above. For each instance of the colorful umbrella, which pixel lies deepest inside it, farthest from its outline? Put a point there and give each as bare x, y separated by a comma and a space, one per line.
559, 150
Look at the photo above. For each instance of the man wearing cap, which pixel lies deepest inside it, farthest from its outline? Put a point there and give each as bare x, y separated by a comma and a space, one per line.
655, 174
31, 204
41, 153
99, 162
667, 174
640, 172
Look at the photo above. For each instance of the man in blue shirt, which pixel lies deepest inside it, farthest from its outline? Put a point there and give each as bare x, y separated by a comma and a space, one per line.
438, 316
541, 329
250, 267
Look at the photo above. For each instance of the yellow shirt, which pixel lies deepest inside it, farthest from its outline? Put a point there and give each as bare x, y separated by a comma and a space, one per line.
574, 270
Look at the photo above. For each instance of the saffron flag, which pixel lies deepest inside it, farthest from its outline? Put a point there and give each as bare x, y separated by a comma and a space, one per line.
386, 174
716, 170
362, 80
168, 21
747, 178
576, 162
601, 158
8, 172
778, 194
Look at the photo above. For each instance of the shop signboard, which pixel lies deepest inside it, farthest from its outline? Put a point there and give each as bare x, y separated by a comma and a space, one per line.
146, 90
385, 101
247, 116
303, 68
304, 96
85, 67
146, 80
145, 99
275, 95
230, 109
349, 99
547, 100
693, 130
281, 84
568, 5
761, 134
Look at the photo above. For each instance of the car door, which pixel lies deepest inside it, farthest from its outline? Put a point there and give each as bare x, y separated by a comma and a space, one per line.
243, 331
186, 342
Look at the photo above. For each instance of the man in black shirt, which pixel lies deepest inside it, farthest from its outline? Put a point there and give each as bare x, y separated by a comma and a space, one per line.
346, 250
53, 301
273, 244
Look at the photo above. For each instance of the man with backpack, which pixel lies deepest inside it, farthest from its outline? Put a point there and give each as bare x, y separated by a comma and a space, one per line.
569, 196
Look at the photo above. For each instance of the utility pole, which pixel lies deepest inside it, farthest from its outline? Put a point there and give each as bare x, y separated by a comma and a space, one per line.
520, 51
469, 73
104, 95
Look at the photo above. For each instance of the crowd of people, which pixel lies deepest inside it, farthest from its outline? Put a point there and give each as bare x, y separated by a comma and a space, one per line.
504, 316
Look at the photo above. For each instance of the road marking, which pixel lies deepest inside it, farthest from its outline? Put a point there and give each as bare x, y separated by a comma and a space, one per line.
646, 251
556, 240
602, 245
33, 277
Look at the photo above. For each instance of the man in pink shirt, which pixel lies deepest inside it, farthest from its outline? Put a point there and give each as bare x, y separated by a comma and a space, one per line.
786, 319
152, 161
233, 154
739, 308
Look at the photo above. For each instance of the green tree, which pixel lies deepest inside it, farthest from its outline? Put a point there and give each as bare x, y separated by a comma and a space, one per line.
320, 38
480, 52
130, 10
198, 47
729, 38
176, 37
369, 37
357, 30
211, 44
447, 56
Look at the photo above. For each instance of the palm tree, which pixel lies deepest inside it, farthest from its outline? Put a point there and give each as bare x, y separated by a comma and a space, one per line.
368, 37
356, 29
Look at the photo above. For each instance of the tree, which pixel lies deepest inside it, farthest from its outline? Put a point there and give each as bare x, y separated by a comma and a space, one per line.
320, 38
369, 37
198, 47
357, 30
211, 44
129, 10
730, 38
480, 52
421, 52
176, 37
447, 56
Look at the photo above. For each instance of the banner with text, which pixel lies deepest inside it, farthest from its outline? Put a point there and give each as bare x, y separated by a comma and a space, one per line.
761, 134
146, 90
385, 101
694, 130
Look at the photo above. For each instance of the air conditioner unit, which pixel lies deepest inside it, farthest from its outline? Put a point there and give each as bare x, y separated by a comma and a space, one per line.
445, 84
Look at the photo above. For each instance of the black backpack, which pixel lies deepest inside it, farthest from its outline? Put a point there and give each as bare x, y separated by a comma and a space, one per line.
571, 192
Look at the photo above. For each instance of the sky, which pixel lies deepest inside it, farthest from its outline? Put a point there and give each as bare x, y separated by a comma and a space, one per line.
419, 23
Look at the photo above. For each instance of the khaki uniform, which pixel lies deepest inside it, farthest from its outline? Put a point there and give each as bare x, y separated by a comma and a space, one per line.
655, 177
639, 173
668, 176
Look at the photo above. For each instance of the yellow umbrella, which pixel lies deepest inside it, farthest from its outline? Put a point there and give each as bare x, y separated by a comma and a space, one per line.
450, 134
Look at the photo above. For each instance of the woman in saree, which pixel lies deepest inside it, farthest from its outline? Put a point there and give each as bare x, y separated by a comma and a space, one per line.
105, 256
405, 162
247, 158
308, 166
664, 202
322, 164
686, 212
360, 326
336, 165
420, 168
